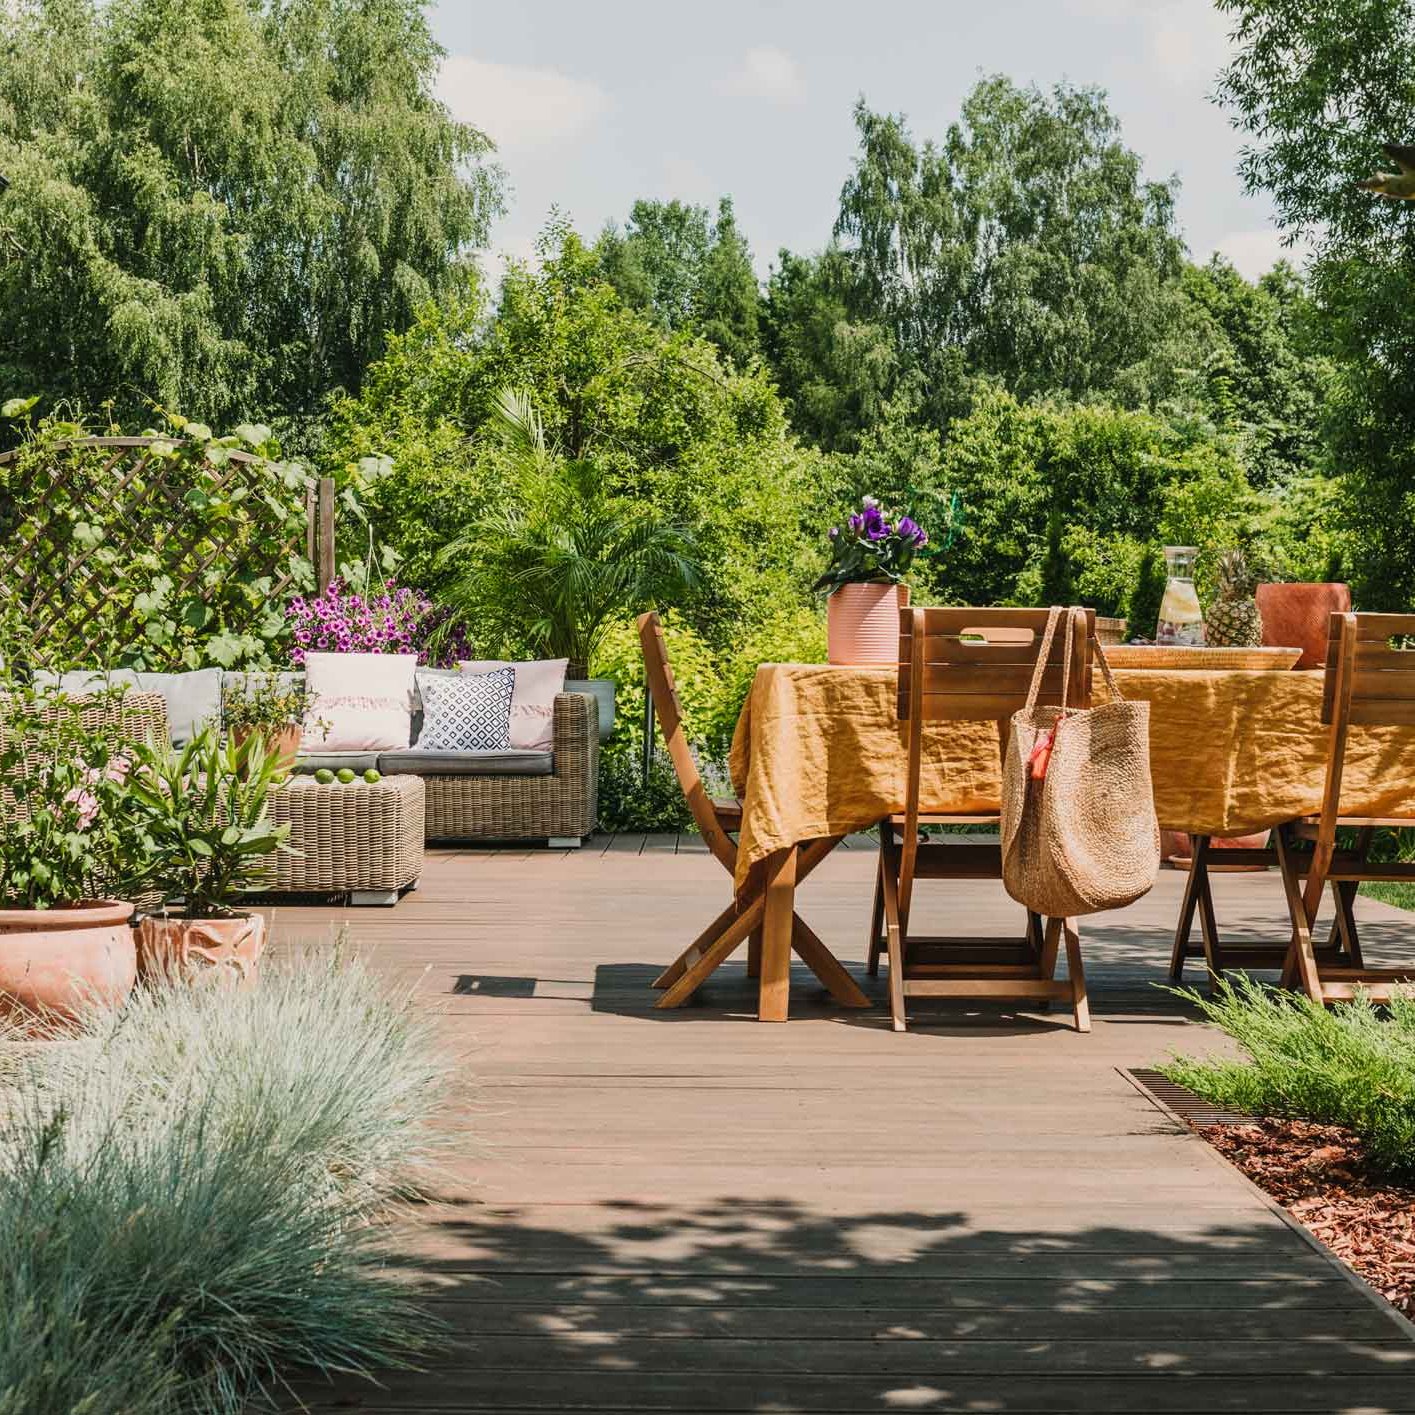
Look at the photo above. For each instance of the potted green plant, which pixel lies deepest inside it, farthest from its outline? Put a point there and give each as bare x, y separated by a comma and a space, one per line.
207, 813
866, 580
559, 558
68, 846
269, 707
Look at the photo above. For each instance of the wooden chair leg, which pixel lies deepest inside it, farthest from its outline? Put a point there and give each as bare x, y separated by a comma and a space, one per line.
1300, 969
754, 954
720, 949
694, 950
1345, 893
877, 920
1077, 973
1208, 921
825, 965
894, 939
1184, 929
1051, 947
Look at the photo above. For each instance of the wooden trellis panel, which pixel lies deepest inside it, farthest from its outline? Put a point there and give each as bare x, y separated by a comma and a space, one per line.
62, 593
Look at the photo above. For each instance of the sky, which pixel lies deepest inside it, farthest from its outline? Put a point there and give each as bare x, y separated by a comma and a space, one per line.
595, 105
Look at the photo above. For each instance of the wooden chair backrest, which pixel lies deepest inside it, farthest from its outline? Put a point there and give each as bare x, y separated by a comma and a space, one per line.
1369, 683
669, 711
964, 677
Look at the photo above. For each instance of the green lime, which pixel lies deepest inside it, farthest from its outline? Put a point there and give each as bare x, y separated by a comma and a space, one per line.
346, 774
373, 776
324, 776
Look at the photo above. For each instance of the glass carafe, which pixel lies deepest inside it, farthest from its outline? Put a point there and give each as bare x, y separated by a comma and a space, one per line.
1181, 618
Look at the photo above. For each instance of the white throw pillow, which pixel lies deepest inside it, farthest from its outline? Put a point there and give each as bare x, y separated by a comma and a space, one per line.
364, 699
533, 704
470, 713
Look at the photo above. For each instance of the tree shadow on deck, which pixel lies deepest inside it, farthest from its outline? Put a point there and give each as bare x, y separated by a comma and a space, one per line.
767, 1305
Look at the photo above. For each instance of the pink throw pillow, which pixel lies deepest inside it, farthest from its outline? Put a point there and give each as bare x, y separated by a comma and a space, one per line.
366, 699
533, 702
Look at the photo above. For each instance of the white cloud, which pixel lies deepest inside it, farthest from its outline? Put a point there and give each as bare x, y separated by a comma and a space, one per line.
517, 106
1254, 253
767, 73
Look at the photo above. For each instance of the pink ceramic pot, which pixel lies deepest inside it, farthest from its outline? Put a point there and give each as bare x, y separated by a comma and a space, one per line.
862, 623
59, 961
221, 950
1297, 617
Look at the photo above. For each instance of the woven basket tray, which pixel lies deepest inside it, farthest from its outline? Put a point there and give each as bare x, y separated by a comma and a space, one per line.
1173, 656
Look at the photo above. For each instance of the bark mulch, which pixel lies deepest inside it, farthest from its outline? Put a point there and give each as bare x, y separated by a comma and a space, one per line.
1319, 1175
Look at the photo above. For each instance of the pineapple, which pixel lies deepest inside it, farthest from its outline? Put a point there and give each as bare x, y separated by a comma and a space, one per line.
1233, 620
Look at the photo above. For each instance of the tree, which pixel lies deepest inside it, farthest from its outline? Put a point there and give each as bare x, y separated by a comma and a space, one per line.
223, 204
1025, 250
663, 422
688, 271
1318, 89
557, 558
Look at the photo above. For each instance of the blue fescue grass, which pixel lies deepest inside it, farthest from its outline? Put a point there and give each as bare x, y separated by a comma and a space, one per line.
191, 1194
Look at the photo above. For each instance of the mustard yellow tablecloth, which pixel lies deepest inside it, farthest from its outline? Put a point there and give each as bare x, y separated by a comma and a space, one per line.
818, 751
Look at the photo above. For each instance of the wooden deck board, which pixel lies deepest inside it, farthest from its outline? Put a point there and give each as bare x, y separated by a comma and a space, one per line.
693, 1212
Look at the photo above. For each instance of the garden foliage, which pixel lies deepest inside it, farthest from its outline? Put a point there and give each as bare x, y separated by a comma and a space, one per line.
1352, 1065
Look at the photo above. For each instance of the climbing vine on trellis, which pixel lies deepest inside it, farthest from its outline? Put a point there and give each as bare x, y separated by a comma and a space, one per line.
166, 551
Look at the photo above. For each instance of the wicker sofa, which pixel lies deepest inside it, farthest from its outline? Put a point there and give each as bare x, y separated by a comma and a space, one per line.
471, 796
485, 796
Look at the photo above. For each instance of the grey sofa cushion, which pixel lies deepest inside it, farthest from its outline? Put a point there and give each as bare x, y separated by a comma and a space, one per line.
423, 762
193, 699
336, 761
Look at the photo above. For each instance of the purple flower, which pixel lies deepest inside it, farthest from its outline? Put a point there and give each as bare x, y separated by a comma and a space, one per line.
909, 530
856, 523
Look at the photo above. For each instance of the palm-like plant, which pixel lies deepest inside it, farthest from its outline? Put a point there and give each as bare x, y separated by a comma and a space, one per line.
560, 558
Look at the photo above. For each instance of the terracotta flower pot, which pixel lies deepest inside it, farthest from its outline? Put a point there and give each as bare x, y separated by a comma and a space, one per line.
1296, 616
221, 950
1175, 847
283, 743
60, 961
862, 623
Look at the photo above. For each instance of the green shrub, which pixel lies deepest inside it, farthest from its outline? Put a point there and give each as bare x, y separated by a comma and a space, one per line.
1350, 1065
187, 1194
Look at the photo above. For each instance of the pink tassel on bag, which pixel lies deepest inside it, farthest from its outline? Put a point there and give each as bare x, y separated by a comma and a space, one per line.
1040, 757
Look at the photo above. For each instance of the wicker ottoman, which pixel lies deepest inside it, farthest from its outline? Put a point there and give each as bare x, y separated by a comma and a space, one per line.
362, 840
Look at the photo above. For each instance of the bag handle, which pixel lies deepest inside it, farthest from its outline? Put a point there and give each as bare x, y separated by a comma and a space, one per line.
1044, 653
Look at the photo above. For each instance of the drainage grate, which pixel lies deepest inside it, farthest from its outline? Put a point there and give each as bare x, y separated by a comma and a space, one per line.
1181, 1101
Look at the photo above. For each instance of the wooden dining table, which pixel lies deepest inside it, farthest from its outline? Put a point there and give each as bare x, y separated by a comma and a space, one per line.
818, 755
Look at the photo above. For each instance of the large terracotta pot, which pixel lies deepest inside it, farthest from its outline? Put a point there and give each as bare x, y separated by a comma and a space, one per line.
862, 623
217, 950
1297, 616
283, 743
61, 961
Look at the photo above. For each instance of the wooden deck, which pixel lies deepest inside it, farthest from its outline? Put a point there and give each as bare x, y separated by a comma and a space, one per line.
692, 1212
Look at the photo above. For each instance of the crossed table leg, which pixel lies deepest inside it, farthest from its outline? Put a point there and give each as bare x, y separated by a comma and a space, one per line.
772, 909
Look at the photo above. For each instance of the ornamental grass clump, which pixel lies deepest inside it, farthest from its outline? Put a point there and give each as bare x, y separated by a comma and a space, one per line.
1351, 1065
191, 1191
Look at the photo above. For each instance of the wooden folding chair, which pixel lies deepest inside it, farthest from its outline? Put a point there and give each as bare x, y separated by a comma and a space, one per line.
1368, 684
974, 665
1220, 954
718, 820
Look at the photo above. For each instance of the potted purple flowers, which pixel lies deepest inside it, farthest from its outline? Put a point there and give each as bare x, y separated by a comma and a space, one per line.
869, 560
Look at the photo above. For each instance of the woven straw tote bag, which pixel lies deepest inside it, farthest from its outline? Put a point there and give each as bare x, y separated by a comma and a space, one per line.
1079, 833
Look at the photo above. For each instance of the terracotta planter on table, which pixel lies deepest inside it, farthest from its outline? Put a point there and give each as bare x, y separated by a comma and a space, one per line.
1297, 616
862, 623
223, 951
60, 962
282, 743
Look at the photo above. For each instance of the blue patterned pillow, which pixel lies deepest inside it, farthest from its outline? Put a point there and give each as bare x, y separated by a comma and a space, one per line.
467, 712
